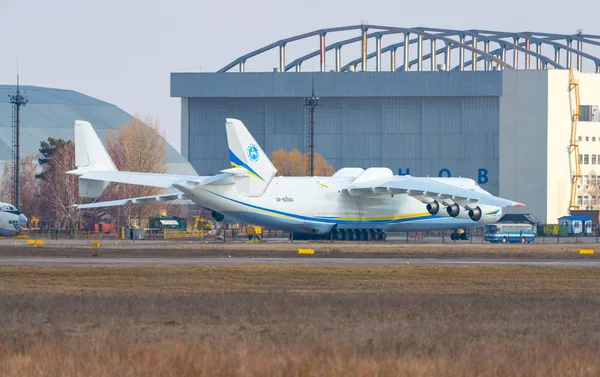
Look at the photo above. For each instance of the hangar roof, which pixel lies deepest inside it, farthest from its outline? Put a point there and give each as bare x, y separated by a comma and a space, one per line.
486, 49
51, 112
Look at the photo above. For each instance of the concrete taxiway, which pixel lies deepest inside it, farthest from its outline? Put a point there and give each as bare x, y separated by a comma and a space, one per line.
29, 261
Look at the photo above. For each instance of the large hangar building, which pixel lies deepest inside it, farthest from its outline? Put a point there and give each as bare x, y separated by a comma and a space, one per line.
517, 112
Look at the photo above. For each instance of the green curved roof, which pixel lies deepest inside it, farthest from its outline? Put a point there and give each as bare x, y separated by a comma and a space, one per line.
52, 112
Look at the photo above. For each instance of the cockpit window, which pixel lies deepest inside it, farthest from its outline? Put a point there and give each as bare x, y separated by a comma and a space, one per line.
7, 208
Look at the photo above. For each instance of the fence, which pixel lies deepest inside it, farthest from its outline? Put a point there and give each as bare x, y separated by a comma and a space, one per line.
179, 234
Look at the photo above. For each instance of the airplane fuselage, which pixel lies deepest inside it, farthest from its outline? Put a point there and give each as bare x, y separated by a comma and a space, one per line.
316, 205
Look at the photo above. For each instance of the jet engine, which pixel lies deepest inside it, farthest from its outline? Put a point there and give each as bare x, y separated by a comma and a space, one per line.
475, 214
453, 210
218, 216
433, 207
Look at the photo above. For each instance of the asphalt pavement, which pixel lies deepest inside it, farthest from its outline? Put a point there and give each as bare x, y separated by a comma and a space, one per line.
34, 261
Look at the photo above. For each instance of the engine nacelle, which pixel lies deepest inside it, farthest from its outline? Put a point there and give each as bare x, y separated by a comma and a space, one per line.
453, 210
218, 216
475, 214
433, 207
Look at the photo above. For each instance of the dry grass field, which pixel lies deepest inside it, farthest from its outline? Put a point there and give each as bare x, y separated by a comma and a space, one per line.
300, 321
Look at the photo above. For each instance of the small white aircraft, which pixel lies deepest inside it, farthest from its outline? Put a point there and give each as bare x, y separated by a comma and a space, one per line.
353, 204
11, 220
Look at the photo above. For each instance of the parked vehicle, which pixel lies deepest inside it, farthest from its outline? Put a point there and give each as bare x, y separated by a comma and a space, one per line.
254, 232
505, 233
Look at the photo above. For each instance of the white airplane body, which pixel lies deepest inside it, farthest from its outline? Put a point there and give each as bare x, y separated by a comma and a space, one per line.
352, 204
11, 220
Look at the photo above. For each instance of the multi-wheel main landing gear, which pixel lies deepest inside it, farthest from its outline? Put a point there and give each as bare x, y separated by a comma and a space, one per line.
460, 234
345, 235
358, 235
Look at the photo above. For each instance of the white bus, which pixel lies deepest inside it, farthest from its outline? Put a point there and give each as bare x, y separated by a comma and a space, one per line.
504, 233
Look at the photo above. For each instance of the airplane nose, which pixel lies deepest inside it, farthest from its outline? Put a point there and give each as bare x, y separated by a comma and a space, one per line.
22, 219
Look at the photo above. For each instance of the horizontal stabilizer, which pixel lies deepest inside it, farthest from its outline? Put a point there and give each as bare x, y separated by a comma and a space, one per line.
140, 200
195, 181
133, 178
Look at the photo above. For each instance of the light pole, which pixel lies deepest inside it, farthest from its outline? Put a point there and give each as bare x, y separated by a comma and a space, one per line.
17, 101
310, 103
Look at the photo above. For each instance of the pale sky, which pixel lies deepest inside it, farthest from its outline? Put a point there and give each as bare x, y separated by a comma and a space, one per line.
122, 51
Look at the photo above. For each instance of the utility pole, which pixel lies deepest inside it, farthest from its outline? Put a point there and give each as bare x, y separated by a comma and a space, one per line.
17, 101
309, 104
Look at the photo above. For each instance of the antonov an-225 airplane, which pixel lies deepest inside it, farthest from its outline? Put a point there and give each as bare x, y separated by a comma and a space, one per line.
353, 204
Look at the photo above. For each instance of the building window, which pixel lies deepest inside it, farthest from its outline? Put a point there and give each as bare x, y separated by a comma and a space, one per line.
593, 159
585, 201
593, 202
580, 200
587, 138
592, 180
580, 158
586, 159
579, 138
586, 181
593, 138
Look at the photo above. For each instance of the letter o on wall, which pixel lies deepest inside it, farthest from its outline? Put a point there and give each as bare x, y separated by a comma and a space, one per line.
444, 171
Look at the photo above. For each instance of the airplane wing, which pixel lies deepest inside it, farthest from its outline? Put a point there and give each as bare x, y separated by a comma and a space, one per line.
140, 200
429, 188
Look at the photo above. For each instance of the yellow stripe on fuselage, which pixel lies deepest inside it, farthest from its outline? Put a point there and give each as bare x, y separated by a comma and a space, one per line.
276, 214
382, 218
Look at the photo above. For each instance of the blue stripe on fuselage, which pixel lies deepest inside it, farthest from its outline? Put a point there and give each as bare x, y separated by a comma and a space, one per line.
327, 219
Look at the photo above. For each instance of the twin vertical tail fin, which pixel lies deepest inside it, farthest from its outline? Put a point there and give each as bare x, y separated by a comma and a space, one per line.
245, 153
253, 170
90, 155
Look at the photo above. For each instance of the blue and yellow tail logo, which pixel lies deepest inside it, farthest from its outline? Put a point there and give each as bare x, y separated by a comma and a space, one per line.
253, 154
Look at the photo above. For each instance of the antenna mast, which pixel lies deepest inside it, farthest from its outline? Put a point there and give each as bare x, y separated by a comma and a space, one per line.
17, 101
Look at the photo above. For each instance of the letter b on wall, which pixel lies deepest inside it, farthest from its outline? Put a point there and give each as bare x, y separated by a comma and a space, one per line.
482, 176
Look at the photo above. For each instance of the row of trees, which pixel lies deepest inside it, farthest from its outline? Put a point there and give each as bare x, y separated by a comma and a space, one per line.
293, 163
48, 193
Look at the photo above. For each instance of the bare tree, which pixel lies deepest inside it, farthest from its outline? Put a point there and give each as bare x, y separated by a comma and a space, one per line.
138, 146
29, 187
60, 191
